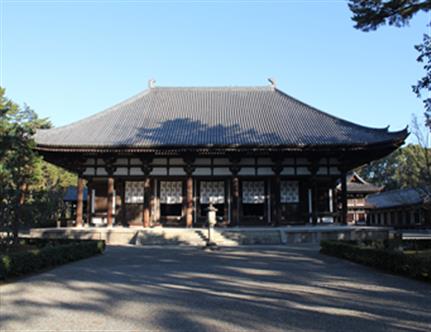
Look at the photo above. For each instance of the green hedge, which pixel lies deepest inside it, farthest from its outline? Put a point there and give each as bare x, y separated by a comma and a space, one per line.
48, 254
416, 244
410, 265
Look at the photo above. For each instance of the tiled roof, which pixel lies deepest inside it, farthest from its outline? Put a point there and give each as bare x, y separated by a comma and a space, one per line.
354, 187
356, 184
395, 198
252, 116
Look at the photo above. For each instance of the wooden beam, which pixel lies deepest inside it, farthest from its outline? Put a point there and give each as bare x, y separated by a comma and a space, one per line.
189, 201
110, 200
79, 202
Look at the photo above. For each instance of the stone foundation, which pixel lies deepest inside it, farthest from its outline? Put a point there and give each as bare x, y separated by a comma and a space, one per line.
221, 236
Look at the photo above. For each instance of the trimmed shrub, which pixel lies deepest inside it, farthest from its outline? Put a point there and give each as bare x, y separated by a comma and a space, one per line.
417, 244
414, 266
49, 253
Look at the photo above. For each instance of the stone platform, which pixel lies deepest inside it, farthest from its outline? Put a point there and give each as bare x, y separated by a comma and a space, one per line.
222, 236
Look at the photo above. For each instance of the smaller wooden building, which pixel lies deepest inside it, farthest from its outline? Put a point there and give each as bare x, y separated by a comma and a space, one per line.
402, 208
357, 190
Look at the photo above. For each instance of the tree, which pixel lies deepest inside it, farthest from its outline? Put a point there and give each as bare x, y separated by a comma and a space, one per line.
407, 167
404, 168
22, 170
424, 84
371, 14
17, 157
423, 138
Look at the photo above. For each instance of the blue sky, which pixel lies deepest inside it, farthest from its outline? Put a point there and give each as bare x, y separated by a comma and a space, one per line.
71, 59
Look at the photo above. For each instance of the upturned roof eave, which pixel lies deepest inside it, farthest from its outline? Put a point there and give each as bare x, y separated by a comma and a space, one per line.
214, 148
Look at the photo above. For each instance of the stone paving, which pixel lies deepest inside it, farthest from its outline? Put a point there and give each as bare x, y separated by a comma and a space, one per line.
242, 288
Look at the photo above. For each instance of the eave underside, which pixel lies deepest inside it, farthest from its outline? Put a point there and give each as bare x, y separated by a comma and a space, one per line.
349, 156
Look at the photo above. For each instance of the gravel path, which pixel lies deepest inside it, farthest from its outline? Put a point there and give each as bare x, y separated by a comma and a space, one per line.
187, 289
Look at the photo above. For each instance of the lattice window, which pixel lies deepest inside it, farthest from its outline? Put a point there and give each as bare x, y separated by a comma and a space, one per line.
289, 192
212, 192
134, 192
253, 192
171, 192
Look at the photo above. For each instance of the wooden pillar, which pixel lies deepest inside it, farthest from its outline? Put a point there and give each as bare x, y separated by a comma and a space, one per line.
123, 204
277, 196
235, 200
189, 168
110, 200
331, 199
344, 197
309, 204
79, 202
146, 212
335, 202
147, 169
189, 201
276, 192
312, 191
153, 202
314, 200
89, 199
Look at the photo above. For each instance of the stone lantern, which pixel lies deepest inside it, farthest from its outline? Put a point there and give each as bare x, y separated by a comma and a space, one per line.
212, 220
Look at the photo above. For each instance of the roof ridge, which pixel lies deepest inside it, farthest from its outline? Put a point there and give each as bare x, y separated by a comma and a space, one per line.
221, 87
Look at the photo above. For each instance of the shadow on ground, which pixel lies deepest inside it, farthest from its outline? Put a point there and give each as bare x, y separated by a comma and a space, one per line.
187, 289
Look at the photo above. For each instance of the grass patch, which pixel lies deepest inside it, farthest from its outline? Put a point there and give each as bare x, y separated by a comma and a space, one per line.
30, 255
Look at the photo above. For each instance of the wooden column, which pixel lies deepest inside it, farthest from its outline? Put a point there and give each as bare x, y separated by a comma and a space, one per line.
277, 196
344, 197
189, 168
235, 200
89, 199
146, 212
79, 202
123, 203
153, 200
235, 168
189, 201
146, 167
309, 204
313, 168
110, 200
314, 201
277, 169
